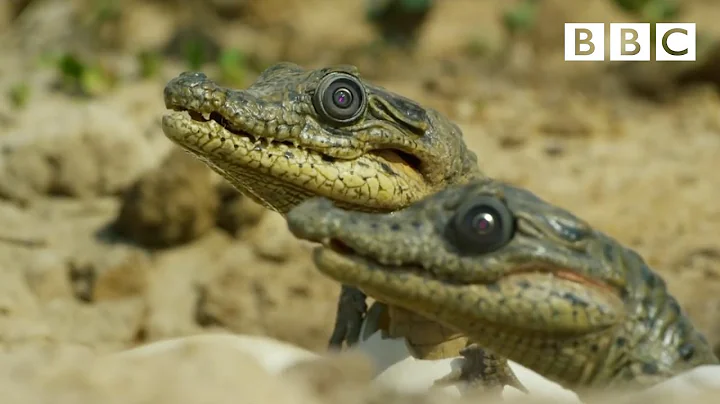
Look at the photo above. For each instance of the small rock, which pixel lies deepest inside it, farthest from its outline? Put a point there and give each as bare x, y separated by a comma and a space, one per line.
128, 278
48, 276
174, 285
190, 373
248, 294
564, 125
510, 141
76, 150
465, 110
103, 272
272, 240
16, 298
172, 298
82, 281
554, 149
237, 212
25, 174
233, 298
335, 374
171, 205
117, 322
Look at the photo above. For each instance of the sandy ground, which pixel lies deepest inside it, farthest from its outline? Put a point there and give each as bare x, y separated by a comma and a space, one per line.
113, 238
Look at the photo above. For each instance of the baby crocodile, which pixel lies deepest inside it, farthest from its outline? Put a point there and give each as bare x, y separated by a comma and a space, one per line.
523, 278
296, 134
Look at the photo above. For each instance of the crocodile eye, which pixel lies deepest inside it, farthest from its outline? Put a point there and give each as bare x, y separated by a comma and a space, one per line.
340, 98
482, 225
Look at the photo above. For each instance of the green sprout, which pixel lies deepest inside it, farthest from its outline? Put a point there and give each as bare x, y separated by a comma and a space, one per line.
651, 10
150, 63
86, 79
521, 18
194, 54
19, 95
233, 67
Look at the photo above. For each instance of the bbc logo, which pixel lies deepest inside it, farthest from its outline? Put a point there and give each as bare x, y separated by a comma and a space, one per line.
630, 42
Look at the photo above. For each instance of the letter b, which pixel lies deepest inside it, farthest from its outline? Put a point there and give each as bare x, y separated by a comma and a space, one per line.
630, 42
583, 36
584, 42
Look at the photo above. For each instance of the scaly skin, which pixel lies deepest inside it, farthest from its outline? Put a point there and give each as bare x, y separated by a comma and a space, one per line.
270, 142
279, 145
525, 279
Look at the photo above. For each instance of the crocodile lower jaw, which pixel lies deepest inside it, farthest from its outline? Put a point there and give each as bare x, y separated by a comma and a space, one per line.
280, 174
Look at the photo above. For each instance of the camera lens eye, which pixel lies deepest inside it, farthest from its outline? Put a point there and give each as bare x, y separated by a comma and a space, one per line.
482, 225
340, 98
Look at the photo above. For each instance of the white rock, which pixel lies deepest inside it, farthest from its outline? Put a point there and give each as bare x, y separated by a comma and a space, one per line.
272, 354
399, 370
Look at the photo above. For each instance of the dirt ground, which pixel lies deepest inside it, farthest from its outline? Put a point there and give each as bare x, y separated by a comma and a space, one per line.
111, 237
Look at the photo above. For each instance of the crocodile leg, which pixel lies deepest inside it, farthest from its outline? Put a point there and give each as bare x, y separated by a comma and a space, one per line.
351, 311
483, 371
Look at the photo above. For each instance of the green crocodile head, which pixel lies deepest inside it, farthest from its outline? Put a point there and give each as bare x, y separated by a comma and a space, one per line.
522, 277
297, 133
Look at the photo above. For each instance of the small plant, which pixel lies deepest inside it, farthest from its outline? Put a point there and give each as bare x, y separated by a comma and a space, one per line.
661, 10
107, 10
398, 21
477, 47
416, 5
522, 18
86, 79
632, 6
19, 95
150, 63
233, 67
651, 10
194, 54
48, 59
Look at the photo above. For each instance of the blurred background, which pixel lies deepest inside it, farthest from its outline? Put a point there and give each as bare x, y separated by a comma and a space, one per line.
111, 237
